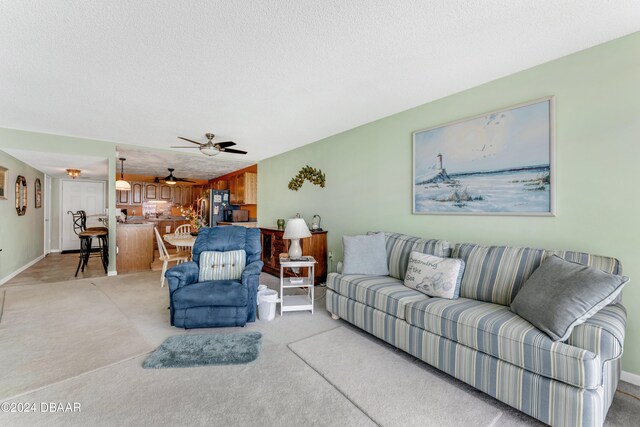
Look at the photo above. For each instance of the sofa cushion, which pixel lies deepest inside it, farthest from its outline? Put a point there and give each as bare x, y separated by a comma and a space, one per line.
493, 329
365, 255
560, 295
399, 246
496, 273
384, 293
230, 293
226, 265
434, 276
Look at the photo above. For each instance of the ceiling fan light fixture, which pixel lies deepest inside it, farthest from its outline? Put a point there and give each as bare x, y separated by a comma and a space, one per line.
209, 150
171, 182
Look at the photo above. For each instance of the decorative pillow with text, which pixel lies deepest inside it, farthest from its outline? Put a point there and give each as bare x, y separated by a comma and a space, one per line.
434, 276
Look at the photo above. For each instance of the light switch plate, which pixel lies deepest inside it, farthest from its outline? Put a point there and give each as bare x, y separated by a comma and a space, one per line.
167, 229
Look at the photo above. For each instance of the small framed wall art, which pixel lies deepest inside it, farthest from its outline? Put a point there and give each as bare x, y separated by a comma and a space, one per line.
496, 163
4, 177
37, 189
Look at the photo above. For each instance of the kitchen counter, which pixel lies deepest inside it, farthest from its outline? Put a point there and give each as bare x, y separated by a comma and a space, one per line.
134, 247
248, 224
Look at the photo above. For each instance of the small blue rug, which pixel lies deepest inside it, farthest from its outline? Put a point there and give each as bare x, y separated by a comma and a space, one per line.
191, 350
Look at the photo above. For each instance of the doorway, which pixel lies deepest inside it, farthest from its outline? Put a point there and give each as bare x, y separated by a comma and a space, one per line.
85, 195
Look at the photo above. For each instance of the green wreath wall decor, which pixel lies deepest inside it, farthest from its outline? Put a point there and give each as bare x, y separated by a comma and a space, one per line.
313, 175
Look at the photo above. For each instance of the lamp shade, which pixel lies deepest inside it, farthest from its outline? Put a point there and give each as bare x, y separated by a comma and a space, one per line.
122, 185
296, 229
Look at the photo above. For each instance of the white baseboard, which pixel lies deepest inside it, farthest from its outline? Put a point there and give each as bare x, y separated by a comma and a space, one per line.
20, 270
630, 378
112, 273
55, 251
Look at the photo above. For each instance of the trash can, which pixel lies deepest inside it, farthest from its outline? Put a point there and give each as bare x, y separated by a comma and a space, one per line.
267, 300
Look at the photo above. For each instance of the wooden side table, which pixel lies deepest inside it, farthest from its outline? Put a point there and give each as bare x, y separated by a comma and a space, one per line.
297, 302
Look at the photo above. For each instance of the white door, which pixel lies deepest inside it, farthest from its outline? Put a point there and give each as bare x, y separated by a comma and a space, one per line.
88, 196
46, 201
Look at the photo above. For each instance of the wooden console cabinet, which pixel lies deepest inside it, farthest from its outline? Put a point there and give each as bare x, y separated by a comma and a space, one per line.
273, 245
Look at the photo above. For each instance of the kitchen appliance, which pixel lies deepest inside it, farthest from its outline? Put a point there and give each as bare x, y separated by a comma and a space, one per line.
236, 215
218, 201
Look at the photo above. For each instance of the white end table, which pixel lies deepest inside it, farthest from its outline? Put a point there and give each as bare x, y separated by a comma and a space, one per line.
297, 302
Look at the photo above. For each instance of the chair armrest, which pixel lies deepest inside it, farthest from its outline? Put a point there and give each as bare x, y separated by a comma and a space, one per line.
182, 275
250, 279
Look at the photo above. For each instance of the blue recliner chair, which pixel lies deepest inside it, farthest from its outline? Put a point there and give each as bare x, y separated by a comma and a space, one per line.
216, 303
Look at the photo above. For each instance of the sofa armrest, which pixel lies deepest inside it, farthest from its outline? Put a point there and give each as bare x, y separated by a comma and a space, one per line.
182, 275
250, 279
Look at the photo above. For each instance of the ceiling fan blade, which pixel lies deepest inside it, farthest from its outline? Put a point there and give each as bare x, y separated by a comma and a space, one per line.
182, 146
231, 150
184, 180
225, 144
189, 140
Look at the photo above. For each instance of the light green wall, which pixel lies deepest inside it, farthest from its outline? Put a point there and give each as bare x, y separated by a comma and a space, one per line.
42, 142
369, 178
21, 237
56, 211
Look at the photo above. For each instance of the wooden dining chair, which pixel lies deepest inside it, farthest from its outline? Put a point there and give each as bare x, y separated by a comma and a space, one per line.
166, 258
183, 229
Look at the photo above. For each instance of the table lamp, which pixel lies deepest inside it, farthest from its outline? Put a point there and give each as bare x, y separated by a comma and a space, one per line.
295, 230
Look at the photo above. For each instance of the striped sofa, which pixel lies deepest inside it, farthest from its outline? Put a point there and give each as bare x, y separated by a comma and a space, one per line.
477, 339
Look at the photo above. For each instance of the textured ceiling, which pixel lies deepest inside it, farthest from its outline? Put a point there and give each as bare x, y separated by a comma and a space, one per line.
269, 75
196, 166
56, 165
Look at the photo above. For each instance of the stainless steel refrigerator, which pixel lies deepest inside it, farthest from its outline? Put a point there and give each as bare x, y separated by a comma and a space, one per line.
218, 202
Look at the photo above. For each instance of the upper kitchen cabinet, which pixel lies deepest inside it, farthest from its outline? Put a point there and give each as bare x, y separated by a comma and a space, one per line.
122, 197
166, 192
243, 189
137, 189
177, 195
151, 192
222, 184
186, 196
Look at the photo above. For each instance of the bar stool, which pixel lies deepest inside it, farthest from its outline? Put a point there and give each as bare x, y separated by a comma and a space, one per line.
86, 236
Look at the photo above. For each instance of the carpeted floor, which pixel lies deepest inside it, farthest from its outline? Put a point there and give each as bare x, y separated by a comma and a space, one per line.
279, 388
360, 366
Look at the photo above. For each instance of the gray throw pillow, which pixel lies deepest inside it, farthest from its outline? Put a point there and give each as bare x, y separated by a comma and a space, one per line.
560, 295
365, 255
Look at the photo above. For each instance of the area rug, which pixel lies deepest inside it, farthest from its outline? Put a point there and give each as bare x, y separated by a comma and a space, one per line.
52, 332
390, 387
191, 350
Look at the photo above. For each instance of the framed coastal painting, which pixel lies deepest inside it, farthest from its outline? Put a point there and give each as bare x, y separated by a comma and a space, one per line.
497, 163
4, 176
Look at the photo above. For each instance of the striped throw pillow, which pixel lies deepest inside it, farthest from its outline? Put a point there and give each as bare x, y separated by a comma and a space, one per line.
221, 265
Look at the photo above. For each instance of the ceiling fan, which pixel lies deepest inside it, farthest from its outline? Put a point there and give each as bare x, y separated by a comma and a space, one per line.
210, 148
171, 179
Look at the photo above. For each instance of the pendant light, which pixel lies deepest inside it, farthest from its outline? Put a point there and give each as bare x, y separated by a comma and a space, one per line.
121, 184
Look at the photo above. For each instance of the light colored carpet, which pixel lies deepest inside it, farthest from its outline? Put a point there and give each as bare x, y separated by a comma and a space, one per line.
373, 377
53, 332
278, 389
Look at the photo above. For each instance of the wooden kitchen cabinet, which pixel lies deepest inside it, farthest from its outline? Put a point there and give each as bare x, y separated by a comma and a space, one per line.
135, 247
151, 192
177, 195
273, 245
166, 192
137, 189
122, 197
187, 199
222, 184
243, 189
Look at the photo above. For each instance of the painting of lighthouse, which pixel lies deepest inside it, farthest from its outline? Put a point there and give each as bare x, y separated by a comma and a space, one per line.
498, 163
